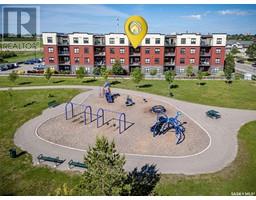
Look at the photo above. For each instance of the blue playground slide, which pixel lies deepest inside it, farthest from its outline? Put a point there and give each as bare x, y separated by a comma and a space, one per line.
109, 97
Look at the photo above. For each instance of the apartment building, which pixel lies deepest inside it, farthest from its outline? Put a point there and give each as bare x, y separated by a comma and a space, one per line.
67, 52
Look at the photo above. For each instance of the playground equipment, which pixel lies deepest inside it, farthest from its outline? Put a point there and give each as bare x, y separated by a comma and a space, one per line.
72, 164
213, 114
158, 109
165, 123
107, 92
129, 101
56, 160
100, 116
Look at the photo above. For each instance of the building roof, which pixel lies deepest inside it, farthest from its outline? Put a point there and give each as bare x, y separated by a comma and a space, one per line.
241, 42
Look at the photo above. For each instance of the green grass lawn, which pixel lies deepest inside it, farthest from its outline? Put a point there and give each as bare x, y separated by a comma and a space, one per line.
241, 94
18, 176
240, 176
23, 56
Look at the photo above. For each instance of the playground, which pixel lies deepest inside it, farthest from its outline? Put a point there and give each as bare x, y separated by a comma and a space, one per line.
128, 125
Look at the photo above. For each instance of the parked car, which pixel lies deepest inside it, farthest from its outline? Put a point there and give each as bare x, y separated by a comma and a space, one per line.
254, 64
39, 67
29, 62
240, 61
3, 67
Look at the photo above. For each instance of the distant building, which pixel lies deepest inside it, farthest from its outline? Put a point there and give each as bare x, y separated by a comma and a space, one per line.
242, 46
67, 52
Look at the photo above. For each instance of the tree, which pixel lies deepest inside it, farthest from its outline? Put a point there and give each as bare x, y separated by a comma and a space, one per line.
229, 67
189, 71
13, 76
251, 51
200, 76
80, 73
137, 75
105, 73
105, 174
153, 72
48, 73
234, 51
117, 68
96, 71
63, 190
169, 77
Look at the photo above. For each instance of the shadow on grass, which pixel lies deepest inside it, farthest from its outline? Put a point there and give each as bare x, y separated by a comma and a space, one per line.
115, 82
29, 104
173, 86
145, 86
203, 83
89, 81
25, 83
21, 153
143, 181
59, 81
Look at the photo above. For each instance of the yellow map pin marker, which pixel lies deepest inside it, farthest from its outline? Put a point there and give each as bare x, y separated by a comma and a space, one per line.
136, 28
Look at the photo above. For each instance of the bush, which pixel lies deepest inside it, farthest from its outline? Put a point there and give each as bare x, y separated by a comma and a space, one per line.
96, 71
117, 68
153, 72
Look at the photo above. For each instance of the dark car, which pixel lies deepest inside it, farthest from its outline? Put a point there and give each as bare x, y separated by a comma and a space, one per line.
29, 62
240, 61
3, 67
254, 65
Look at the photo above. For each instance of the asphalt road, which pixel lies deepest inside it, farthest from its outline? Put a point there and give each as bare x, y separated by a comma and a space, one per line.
220, 153
245, 68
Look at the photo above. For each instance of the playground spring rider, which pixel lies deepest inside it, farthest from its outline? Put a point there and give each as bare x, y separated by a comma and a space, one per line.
107, 93
165, 123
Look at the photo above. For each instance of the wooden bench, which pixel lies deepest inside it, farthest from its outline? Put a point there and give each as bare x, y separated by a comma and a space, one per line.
56, 160
72, 163
52, 104
213, 114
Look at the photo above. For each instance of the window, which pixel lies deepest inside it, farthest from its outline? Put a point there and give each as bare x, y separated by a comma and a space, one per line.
51, 59
147, 40
183, 40
87, 60
192, 51
183, 51
122, 50
147, 51
122, 60
112, 60
111, 40
49, 39
157, 60
121, 40
147, 70
76, 50
157, 50
193, 40
215, 70
219, 40
86, 40
112, 50
147, 60
157, 41
182, 70
75, 40
76, 60
50, 49
218, 50
217, 61
182, 61
86, 50
192, 60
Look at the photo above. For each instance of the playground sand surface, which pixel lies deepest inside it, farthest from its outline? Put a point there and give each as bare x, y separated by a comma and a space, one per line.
137, 139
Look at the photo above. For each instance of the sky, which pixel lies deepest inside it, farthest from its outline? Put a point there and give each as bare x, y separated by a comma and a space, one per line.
166, 19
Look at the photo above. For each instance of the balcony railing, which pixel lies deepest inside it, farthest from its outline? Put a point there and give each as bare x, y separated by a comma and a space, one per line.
169, 63
63, 52
65, 43
134, 53
99, 43
205, 54
205, 43
166, 43
204, 63
99, 63
134, 63
64, 62
99, 54
169, 53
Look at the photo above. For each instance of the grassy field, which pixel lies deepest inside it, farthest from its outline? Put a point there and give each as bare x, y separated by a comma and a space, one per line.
18, 176
241, 94
23, 56
240, 176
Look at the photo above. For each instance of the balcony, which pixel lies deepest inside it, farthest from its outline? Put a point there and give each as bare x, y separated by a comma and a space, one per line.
63, 53
134, 63
204, 63
205, 54
205, 43
63, 43
99, 54
169, 44
61, 62
169, 54
99, 63
169, 63
134, 53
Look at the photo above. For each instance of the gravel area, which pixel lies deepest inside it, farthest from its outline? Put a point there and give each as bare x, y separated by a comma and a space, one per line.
137, 139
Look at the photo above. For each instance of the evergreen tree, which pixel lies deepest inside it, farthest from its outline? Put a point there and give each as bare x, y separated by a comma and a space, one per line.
251, 51
105, 174
137, 75
189, 71
48, 73
80, 73
229, 67
13, 76
117, 68
200, 76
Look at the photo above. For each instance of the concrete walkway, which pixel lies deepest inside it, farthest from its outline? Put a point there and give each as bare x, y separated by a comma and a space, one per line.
221, 151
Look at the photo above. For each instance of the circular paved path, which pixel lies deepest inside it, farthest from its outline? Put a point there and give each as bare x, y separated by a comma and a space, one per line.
221, 151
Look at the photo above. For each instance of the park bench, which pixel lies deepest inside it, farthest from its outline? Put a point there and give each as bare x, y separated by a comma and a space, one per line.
72, 163
52, 104
213, 114
56, 160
